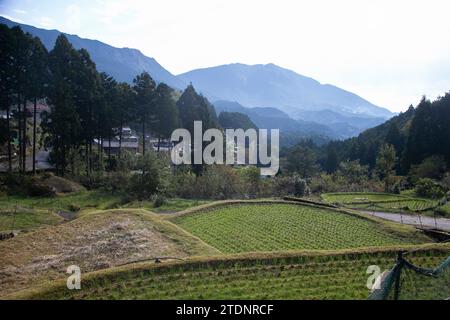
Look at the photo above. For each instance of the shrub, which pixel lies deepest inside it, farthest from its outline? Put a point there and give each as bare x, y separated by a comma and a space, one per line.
429, 189
301, 188
158, 200
74, 207
38, 189
153, 177
19, 184
432, 167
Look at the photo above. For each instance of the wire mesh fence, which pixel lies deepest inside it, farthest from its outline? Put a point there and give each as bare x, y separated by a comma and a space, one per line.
406, 281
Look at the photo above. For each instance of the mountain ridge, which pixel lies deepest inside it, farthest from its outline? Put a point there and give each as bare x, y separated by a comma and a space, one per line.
125, 63
268, 85
121, 63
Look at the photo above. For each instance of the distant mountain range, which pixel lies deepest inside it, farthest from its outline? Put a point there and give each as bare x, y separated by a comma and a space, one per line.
272, 86
272, 97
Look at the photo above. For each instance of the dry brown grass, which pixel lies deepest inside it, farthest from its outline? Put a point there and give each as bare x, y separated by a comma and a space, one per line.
95, 241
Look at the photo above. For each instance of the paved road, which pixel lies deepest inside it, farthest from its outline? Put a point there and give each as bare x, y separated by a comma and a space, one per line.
425, 221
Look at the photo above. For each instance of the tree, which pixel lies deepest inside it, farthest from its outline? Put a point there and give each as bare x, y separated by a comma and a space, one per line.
38, 77
235, 120
63, 122
166, 112
124, 105
421, 135
301, 188
302, 160
385, 164
428, 188
194, 107
353, 171
20, 64
332, 161
89, 101
145, 87
7, 81
107, 119
432, 167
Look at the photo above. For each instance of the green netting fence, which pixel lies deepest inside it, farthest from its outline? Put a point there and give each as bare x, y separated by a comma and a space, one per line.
405, 281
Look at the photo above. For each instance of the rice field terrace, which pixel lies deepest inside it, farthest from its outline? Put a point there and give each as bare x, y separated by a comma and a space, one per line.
94, 241
379, 201
296, 275
251, 227
259, 249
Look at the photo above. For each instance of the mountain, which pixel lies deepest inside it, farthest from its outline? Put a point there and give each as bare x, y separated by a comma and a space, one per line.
272, 118
235, 120
121, 63
417, 134
272, 86
279, 98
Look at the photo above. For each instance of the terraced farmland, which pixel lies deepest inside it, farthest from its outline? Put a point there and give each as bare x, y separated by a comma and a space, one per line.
379, 201
94, 241
338, 275
274, 227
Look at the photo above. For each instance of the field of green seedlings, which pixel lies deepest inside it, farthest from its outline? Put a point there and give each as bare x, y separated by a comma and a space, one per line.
274, 227
379, 201
281, 276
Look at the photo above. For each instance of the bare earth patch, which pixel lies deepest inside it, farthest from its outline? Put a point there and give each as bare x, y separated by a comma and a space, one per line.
95, 241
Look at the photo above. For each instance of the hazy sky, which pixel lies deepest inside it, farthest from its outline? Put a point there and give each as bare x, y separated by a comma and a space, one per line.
389, 52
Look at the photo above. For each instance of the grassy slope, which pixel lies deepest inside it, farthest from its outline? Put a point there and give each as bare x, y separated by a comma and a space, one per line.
94, 241
26, 219
83, 200
169, 206
276, 225
34, 212
276, 275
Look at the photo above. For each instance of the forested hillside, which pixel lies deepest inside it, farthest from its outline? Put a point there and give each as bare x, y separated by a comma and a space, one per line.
416, 134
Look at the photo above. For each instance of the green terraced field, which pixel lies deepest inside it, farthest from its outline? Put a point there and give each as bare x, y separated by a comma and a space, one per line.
281, 276
274, 227
26, 219
379, 201
356, 197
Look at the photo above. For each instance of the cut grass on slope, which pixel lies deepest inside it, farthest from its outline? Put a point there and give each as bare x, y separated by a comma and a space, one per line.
94, 241
295, 275
275, 226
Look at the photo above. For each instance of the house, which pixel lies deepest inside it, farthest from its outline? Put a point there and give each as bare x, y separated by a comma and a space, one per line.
114, 146
130, 143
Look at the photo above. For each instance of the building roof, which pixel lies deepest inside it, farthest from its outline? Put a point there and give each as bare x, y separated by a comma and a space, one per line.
115, 144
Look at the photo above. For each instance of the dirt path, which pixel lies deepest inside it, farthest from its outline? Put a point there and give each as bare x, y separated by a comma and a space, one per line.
423, 221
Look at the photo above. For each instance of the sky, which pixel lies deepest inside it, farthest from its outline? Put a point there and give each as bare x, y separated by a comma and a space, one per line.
389, 52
